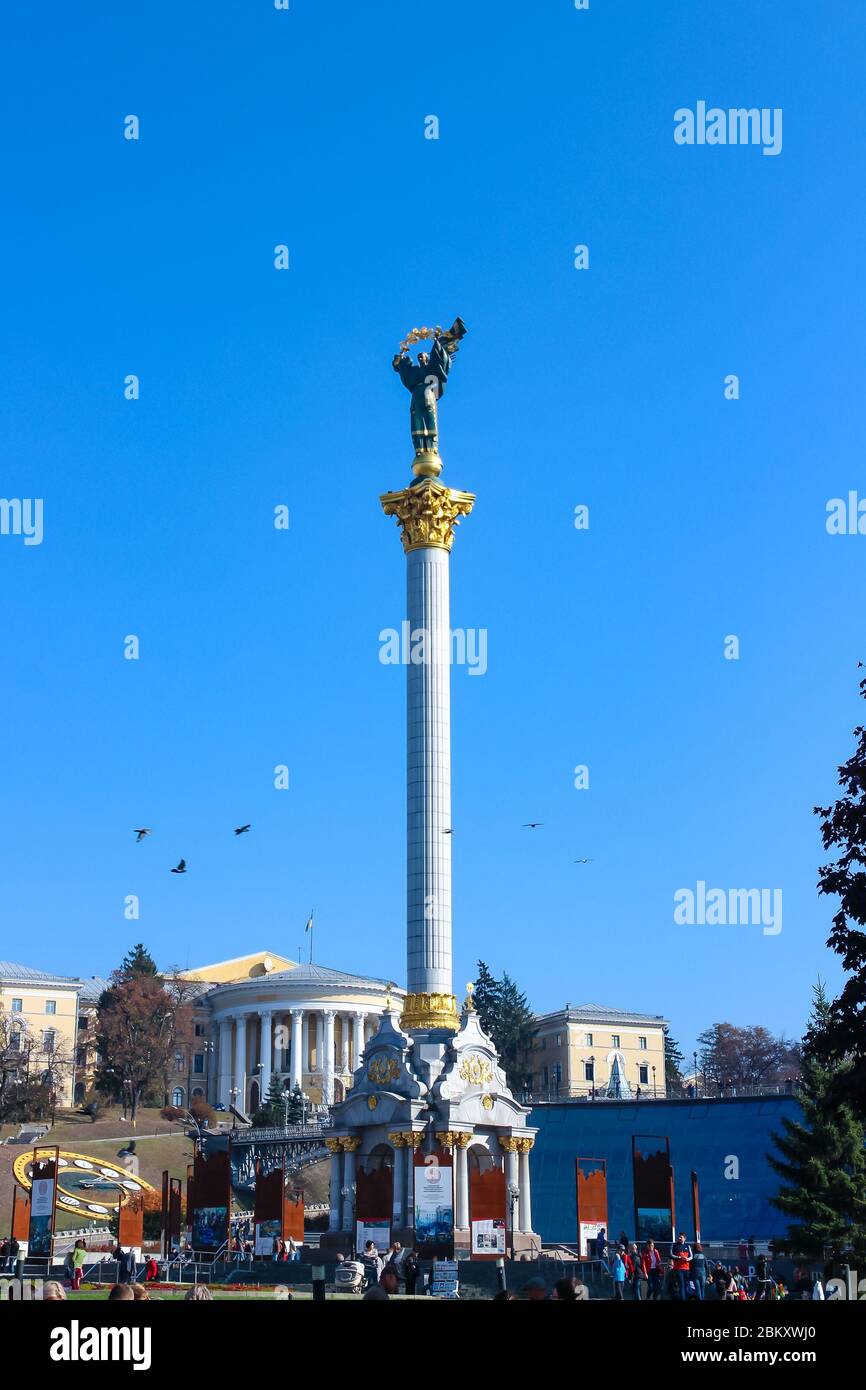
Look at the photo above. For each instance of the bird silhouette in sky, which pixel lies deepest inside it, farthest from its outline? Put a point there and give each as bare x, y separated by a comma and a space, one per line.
139, 835
447, 832
584, 861
241, 829
532, 824
181, 868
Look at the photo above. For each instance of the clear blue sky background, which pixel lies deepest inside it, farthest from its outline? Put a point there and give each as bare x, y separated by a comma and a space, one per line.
260, 647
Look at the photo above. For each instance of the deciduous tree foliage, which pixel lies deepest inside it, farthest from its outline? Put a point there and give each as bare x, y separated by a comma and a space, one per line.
753, 1056
142, 1022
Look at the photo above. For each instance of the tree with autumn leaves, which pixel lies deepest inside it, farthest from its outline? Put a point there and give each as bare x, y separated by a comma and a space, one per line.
143, 1020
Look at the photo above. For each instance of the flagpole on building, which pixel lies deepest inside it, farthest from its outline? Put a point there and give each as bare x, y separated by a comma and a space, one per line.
309, 928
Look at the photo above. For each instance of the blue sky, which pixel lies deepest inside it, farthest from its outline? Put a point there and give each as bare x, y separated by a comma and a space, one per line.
602, 387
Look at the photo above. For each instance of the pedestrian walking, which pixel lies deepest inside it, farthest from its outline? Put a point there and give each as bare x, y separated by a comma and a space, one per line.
699, 1272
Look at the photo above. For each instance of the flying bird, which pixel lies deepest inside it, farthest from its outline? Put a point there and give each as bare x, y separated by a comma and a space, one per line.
139, 835
532, 824
241, 829
181, 868
584, 861
447, 832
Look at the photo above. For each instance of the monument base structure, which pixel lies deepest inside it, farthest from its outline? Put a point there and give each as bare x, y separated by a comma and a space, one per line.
431, 1101
430, 1147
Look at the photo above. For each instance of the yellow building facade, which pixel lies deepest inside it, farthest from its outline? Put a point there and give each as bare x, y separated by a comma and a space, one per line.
590, 1049
39, 1019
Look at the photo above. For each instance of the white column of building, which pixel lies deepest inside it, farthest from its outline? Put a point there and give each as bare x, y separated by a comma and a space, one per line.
240, 1068
357, 1039
525, 1223
428, 846
328, 1016
344, 1043
335, 1196
266, 1032
224, 1060
298, 1028
305, 1045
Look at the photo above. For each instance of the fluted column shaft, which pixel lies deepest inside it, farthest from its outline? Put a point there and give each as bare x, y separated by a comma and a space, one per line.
525, 1223
428, 708
240, 1071
266, 1028
297, 1035
357, 1040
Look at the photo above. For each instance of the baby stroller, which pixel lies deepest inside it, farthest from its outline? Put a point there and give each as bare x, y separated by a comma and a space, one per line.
349, 1276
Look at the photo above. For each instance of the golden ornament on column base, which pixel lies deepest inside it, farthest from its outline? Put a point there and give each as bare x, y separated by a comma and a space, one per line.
430, 1011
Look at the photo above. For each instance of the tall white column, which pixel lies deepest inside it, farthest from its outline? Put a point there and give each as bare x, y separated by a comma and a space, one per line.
344, 1043
349, 1183
328, 1016
336, 1184
428, 904
240, 1071
525, 1223
224, 1062
461, 1175
398, 1215
305, 1045
357, 1039
297, 1034
266, 1030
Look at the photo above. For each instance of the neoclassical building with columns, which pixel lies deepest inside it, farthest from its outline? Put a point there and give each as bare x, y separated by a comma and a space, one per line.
263, 1014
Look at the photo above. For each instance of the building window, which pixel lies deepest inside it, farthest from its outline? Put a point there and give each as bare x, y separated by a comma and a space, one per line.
178, 1061
198, 1063
81, 1057
587, 1039
542, 1043
641, 1042
17, 1006
15, 1039
614, 1040
546, 1077
51, 1006
197, 1093
200, 1030
49, 1039
589, 1071
177, 1096
643, 1074
557, 1073
559, 1040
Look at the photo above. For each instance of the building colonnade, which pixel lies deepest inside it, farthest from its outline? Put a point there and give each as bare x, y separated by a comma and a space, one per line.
303, 1045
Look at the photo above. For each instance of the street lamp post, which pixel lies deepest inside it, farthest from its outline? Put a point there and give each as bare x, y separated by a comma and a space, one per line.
513, 1195
654, 1082
695, 1070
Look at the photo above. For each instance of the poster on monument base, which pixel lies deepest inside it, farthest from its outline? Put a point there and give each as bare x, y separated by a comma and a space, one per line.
266, 1233
488, 1237
588, 1232
434, 1212
379, 1232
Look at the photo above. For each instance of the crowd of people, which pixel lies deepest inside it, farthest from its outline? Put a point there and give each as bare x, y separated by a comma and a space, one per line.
685, 1273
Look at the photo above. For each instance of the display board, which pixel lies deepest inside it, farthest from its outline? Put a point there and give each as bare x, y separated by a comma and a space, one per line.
653, 1187
591, 1203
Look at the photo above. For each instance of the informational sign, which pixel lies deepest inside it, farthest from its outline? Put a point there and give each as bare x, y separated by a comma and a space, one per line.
266, 1233
210, 1228
488, 1237
379, 1232
434, 1210
43, 1195
445, 1282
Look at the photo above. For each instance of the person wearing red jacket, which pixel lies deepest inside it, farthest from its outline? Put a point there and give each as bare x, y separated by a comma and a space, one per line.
681, 1258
